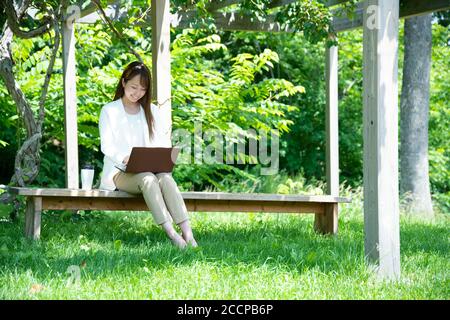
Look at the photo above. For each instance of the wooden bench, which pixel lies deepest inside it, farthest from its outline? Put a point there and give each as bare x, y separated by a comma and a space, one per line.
324, 207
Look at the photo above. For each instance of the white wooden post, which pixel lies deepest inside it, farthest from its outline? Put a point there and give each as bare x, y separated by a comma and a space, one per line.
328, 223
161, 61
332, 132
381, 204
70, 105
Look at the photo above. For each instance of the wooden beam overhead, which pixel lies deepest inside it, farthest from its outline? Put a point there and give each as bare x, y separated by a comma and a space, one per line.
408, 9
91, 8
231, 21
413, 8
280, 3
343, 23
217, 5
234, 21
112, 12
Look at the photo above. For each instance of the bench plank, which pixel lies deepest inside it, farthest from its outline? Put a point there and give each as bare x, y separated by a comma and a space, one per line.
98, 193
193, 205
325, 207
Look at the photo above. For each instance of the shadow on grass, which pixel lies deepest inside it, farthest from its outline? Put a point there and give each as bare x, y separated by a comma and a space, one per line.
419, 237
110, 244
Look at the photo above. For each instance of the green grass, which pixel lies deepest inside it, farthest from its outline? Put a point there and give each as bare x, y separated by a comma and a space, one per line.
242, 256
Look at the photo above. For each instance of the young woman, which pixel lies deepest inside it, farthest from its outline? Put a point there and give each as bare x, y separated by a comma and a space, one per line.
131, 120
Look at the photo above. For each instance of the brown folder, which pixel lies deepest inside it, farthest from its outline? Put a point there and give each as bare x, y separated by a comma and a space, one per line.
153, 160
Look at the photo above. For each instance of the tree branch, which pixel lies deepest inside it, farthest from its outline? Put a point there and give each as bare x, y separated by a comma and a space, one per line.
27, 145
118, 34
27, 161
23, 8
13, 21
49, 73
6, 72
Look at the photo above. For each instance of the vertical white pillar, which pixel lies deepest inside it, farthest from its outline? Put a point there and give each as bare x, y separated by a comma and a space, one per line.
381, 203
70, 105
327, 223
161, 62
332, 132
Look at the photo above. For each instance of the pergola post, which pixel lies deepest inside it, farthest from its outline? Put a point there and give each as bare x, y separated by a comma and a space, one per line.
331, 121
70, 105
328, 223
161, 62
380, 112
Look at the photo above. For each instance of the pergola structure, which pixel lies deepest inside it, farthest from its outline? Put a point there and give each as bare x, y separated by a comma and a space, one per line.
380, 21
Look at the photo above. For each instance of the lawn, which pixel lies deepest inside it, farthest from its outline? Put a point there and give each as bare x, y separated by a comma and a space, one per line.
123, 255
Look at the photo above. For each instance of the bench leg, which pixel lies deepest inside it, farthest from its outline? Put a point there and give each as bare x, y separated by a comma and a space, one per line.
33, 218
327, 223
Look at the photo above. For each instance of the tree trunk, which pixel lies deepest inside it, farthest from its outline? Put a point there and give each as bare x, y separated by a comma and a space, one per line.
27, 160
414, 109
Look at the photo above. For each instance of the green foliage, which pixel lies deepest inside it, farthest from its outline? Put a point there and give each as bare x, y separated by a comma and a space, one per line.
439, 123
229, 82
311, 17
230, 98
303, 147
225, 96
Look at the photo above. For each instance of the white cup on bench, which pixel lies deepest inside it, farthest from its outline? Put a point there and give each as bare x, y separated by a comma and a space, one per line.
87, 177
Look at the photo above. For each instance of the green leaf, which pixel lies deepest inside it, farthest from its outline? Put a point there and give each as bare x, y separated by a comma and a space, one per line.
117, 245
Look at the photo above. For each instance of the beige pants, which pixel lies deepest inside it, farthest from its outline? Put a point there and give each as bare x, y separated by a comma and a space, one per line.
160, 192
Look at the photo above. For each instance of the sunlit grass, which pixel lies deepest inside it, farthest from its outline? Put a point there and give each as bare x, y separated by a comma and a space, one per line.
123, 255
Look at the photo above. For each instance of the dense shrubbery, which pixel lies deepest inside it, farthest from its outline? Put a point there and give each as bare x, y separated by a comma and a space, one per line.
230, 82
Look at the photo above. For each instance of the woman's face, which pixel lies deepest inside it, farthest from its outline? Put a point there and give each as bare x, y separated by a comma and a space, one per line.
134, 91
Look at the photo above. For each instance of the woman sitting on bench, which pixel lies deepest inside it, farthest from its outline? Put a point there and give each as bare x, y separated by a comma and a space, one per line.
131, 120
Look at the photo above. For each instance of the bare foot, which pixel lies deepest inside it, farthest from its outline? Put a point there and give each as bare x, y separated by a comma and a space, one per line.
190, 240
192, 243
178, 241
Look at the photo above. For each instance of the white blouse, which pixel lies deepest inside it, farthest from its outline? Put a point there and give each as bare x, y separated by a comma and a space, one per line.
118, 136
136, 128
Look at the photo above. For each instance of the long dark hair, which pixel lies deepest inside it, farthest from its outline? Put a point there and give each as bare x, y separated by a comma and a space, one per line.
133, 69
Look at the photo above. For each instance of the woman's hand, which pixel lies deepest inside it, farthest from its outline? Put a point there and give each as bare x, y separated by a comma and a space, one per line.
125, 160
